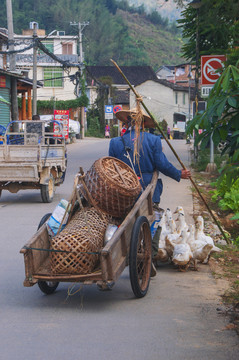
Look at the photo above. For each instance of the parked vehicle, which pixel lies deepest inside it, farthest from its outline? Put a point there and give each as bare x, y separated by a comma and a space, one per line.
32, 158
73, 124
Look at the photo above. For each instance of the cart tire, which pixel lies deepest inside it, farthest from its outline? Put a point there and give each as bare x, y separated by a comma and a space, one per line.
43, 220
140, 257
48, 191
48, 287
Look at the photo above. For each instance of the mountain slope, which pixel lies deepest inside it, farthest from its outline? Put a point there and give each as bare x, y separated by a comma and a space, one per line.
161, 46
167, 9
113, 31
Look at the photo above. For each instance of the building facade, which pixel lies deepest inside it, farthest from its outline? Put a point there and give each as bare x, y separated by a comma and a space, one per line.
54, 76
166, 101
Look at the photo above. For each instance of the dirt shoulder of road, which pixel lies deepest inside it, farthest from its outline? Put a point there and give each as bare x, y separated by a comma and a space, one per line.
224, 265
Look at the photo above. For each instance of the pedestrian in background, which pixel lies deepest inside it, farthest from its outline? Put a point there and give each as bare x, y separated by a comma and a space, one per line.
168, 132
107, 131
123, 130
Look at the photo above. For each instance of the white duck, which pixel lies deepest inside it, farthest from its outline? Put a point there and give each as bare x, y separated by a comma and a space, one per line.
169, 217
182, 253
201, 254
200, 249
172, 238
201, 236
164, 230
182, 225
191, 236
173, 234
169, 246
179, 209
162, 255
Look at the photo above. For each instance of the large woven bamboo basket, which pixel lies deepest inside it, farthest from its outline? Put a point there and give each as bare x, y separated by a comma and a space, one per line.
113, 185
76, 248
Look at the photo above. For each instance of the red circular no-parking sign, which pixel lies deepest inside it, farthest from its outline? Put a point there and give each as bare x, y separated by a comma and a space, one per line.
117, 108
209, 65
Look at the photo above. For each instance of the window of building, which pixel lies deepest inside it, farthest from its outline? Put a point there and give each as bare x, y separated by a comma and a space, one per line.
67, 48
49, 44
53, 77
176, 98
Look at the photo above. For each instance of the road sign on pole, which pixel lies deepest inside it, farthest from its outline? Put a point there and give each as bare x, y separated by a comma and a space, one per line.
205, 90
109, 112
117, 108
108, 109
209, 65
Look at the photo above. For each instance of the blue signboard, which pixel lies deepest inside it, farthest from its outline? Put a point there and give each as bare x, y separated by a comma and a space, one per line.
109, 109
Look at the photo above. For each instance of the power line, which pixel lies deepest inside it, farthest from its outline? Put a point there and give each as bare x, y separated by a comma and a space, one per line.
53, 56
59, 77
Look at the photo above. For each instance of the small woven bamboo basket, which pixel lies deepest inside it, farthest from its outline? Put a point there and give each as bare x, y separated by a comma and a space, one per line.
76, 248
113, 185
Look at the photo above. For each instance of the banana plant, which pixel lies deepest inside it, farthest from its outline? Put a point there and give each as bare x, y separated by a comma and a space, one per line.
221, 119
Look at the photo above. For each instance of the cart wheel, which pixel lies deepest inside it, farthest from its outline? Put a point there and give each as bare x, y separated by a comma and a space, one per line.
140, 257
43, 220
48, 191
48, 287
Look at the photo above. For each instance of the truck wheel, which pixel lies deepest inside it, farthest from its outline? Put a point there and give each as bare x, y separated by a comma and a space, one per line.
43, 220
48, 191
48, 287
140, 257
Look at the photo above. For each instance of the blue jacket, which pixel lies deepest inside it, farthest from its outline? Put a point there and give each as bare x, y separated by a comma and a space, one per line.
151, 158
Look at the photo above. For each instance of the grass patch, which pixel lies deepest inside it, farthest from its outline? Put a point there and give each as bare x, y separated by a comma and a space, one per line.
224, 265
228, 260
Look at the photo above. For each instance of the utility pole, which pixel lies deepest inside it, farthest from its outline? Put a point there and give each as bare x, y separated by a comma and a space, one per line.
189, 102
81, 27
34, 94
12, 61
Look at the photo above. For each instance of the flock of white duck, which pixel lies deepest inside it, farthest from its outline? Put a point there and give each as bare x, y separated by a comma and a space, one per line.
182, 243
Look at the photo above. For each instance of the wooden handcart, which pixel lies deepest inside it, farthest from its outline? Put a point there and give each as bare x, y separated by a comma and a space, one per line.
130, 245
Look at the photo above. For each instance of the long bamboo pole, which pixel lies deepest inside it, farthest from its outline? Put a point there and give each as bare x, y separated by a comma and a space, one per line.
173, 150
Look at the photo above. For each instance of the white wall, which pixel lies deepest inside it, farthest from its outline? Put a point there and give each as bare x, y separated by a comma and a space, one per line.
56, 40
62, 93
160, 100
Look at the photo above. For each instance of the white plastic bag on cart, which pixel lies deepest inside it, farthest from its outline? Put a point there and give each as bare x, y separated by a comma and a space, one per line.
55, 219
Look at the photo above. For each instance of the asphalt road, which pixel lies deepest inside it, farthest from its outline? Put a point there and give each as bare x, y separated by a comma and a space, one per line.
177, 319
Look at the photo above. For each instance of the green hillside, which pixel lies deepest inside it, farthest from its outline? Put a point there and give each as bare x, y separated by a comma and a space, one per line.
169, 9
115, 30
161, 47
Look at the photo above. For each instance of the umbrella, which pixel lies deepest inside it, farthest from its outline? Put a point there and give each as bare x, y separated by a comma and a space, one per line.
2, 100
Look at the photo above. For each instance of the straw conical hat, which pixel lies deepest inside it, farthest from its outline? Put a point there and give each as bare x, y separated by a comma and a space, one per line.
123, 115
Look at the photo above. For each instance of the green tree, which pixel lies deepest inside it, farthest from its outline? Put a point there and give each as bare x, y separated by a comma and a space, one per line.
217, 22
218, 26
128, 36
221, 119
